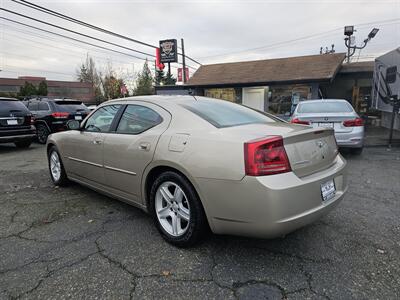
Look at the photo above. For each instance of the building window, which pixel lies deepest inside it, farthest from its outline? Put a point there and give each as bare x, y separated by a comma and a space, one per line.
228, 94
282, 100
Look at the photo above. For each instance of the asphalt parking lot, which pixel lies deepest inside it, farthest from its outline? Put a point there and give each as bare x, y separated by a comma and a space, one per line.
58, 243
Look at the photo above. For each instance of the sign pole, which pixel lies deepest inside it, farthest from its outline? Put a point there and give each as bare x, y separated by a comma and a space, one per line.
169, 69
183, 62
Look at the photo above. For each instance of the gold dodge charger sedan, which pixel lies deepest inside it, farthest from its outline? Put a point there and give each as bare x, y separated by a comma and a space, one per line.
196, 162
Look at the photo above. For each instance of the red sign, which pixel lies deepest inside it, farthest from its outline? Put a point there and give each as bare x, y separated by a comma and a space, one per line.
180, 74
159, 65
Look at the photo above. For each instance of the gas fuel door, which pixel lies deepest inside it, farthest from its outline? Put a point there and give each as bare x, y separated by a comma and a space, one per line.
178, 142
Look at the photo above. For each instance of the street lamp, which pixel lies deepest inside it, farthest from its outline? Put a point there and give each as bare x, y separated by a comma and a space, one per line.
348, 32
373, 33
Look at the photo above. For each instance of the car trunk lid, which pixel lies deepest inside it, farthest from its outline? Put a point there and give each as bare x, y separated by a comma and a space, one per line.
75, 109
329, 120
13, 114
309, 150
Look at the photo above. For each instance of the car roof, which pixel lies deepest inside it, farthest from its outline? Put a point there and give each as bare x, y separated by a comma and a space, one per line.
52, 99
161, 100
323, 100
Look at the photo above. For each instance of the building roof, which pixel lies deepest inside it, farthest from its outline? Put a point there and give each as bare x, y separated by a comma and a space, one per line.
282, 70
356, 67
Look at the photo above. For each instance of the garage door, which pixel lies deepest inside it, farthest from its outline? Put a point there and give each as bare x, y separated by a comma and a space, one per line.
254, 98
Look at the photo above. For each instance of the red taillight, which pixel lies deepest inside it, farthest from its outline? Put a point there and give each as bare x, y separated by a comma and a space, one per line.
297, 121
266, 157
60, 115
353, 123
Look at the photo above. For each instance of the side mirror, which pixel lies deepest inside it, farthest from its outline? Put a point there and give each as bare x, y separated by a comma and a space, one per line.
73, 125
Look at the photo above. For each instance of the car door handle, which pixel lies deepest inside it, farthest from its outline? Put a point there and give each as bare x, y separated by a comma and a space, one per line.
144, 146
97, 142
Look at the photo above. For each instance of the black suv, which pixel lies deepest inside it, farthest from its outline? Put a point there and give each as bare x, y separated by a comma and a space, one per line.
16, 123
52, 115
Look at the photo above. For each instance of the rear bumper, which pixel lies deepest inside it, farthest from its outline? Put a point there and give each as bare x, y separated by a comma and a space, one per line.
270, 206
353, 139
10, 136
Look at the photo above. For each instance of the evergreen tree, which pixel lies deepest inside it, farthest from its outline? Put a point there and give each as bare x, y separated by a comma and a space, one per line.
169, 79
42, 88
160, 77
144, 82
27, 90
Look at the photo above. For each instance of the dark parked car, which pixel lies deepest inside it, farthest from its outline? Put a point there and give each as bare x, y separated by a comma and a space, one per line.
52, 115
16, 123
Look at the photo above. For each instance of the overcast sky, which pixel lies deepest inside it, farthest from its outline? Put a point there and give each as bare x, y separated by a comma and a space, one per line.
214, 31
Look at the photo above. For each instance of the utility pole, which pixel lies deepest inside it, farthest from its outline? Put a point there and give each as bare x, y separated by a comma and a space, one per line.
183, 62
348, 40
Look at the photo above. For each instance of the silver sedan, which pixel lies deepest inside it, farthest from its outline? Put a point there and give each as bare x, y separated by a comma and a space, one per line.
198, 163
333, 113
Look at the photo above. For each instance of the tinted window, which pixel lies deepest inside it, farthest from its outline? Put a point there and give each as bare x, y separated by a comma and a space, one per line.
225, 114
70, 106
43, 106
324, 107
7, 106
33, 106
102, 118
137, 119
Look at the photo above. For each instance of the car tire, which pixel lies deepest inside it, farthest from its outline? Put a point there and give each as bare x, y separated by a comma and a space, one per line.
357, 151
188, 210
42, 133
56, 167
23, 144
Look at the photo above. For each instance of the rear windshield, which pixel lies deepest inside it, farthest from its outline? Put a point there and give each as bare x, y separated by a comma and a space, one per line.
7, 106
70, 106
222, 113
324, 107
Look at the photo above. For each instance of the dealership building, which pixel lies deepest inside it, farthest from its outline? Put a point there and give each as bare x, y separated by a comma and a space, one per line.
66, 89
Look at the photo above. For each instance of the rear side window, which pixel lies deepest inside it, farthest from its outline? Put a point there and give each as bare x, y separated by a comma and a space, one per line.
324, 107
7, 106
33, 106
137, 119
43, 106
102, 118
70, 106
222, 113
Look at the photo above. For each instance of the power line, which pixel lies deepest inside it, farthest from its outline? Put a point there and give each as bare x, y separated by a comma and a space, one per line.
65, 17
71, 19
71, 38
75, 32
40, 70
361, 25
59, 49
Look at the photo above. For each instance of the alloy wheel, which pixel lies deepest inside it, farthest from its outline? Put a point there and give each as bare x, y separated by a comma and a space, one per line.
55, 166
172, 208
